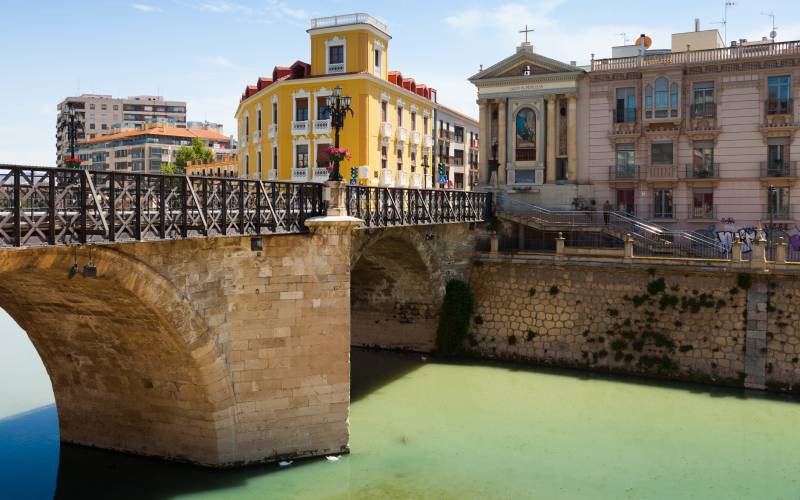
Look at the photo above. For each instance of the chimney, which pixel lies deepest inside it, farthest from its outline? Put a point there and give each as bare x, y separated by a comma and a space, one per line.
697, 24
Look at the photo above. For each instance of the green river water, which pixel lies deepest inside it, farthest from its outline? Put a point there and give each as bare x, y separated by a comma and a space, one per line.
426, 429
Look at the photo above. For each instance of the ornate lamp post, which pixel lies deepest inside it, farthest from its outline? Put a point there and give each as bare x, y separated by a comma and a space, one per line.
71, 127
338, 107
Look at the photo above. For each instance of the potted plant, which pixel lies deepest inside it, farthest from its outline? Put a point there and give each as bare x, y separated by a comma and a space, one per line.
72, 162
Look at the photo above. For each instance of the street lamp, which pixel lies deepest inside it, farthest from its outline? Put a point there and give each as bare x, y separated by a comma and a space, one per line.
338, 106
71, 127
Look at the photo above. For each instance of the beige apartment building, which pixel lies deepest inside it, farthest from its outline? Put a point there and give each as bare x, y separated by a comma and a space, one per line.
104, 114
148, 148
701, 136
456, 148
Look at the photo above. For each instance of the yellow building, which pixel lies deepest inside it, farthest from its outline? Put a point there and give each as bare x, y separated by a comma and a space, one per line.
227, 166
284, 130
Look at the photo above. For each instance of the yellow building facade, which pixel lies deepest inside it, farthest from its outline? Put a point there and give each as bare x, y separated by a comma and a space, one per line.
284, 130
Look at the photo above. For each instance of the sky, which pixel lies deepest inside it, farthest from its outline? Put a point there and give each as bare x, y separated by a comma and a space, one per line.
206, 51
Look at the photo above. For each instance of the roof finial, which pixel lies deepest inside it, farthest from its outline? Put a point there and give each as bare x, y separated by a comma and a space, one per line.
526, 31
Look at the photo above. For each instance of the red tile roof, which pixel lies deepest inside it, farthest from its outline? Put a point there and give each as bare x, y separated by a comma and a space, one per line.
187, 133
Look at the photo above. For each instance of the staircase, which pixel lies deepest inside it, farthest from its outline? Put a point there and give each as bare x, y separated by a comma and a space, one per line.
648, 239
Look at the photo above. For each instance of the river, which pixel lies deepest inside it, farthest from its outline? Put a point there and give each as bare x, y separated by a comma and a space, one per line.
430, 429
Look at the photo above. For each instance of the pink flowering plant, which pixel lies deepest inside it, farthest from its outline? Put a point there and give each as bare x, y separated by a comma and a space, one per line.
336, 155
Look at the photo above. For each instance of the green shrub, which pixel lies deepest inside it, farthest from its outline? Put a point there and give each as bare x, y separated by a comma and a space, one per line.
554, 290
457, 307
529, 335
478, 319
656, 286
744, 281
512, 339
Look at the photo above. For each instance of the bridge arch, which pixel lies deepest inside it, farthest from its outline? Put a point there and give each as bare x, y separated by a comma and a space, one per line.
133, 367
396, 288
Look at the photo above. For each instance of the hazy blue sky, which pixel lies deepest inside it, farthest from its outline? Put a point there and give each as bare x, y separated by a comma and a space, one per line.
206, 51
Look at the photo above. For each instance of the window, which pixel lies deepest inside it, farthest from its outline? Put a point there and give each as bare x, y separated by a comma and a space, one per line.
777, 150
778, 101
778, 202
91, 126
648, 101
258, 120
425, 160
626, 105
247, 166
116, 107
425, 125
247, 126
336, 54
377, 60
91, 106
413, 121
301, 156
661, 153
120, 153
275, 113
702, 204
258, 164
399, 159
323, 111
625, 167
274, 158
301, 109
525, 132
662, 97
104, 126
459, 134
703, 104
663, 204
103, 107
673, 100
703, 159
384, 105
323, 157
399, 116
413, 161
384, 158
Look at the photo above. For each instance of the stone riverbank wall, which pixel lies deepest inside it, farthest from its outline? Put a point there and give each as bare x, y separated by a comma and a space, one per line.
709, 322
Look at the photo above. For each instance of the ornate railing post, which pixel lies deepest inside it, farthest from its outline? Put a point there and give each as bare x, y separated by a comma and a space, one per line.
780, 251
335, 196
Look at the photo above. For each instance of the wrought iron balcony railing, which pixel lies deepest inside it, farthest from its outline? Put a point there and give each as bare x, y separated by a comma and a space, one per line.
775, 106
625, 115
778, 211
704, 110
623, 172
778, 168
704, 171
702, 212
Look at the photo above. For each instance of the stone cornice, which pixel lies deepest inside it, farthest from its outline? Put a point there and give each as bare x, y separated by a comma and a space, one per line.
522, 80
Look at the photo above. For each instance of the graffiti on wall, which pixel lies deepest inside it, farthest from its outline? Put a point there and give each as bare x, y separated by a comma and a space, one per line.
791, 235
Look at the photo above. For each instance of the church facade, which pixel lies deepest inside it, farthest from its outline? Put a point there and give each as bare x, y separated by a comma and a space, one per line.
531, 121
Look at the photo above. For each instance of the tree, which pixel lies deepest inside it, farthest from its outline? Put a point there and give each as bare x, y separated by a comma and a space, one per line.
196, 153
170, 168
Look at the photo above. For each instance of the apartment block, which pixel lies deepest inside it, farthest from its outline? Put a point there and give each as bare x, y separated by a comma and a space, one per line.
104, 114
456, 149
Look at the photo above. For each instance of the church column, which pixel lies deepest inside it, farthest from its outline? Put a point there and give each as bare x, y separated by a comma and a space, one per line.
550, 166
502, 155
572, 138
484, 141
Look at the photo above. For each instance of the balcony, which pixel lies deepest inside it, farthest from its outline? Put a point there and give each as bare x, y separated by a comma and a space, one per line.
321, 174
243, 141
300, 127
700, 172
428, 142
715, 56
272, 130
300, 174
623, 172
335, 68
256, 137
459, 139
415, 138
661, 172
322, 126
702, 212
272, 175
402, 179
446, 134
625, 115
778, 107
387, 179
778, 169
385, 131
704, 110
402, 134
416, 180
474, 143
778, 212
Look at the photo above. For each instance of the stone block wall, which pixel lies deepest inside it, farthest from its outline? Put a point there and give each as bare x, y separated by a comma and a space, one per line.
674, 322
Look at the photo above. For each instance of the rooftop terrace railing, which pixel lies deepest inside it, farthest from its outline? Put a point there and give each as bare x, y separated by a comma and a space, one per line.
357, 18
725, 54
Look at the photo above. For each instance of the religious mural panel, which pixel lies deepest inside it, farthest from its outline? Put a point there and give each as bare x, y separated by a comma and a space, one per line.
525, 128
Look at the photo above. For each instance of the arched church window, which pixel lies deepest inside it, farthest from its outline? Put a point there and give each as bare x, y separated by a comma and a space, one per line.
525, 128
648, 100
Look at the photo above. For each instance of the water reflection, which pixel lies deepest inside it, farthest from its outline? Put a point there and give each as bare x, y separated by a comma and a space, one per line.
426, 429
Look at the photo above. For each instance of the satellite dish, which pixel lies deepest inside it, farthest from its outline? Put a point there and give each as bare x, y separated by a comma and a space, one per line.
647, 41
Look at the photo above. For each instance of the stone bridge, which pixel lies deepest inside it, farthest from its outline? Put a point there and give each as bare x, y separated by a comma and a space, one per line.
219, 350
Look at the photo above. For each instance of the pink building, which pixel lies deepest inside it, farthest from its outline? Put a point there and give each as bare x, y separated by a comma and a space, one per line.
700, 137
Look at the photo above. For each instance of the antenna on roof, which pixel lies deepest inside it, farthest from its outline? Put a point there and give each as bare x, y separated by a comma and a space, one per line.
724, 21
773, 33
624, 38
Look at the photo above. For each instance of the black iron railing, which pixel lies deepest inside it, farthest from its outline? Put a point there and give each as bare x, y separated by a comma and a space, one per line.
54, 206
386, 207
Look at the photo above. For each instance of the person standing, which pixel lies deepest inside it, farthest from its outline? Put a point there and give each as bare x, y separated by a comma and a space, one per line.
606, 211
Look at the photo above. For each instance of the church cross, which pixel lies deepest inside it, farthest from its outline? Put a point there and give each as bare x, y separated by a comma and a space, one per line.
526, 31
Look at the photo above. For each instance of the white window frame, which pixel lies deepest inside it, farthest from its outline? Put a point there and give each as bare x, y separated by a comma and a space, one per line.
333, 42
378, 47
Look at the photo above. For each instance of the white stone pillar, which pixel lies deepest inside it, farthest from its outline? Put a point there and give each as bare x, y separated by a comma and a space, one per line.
550, 165
572, 138
502, 155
